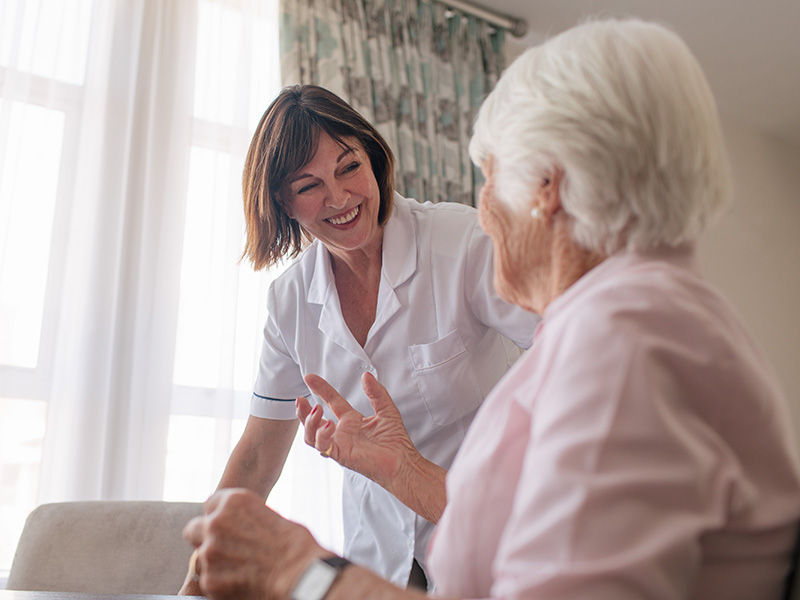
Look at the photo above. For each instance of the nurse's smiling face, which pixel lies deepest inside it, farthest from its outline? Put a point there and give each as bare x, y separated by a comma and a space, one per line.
335, 197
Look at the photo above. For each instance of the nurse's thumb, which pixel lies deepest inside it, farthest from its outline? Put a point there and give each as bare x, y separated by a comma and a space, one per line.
379, 398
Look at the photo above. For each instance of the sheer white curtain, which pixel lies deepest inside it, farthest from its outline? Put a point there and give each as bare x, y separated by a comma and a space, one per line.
129, 333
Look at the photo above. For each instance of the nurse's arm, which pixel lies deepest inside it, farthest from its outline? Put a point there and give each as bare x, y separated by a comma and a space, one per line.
377, 446
255, 464
258, 458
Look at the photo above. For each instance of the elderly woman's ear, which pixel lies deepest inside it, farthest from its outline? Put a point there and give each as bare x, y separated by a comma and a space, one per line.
547, 201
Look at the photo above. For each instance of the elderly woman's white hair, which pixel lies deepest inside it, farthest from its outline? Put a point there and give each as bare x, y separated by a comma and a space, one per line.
624, 110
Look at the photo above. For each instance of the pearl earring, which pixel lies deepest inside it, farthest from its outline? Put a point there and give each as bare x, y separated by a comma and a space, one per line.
536, 212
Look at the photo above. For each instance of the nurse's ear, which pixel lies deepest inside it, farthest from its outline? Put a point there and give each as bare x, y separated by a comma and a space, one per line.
284, 200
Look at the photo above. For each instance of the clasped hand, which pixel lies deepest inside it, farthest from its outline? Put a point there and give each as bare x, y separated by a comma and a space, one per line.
245, 550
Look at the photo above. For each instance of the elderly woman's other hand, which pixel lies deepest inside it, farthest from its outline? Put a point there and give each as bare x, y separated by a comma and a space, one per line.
377, 446
245, 550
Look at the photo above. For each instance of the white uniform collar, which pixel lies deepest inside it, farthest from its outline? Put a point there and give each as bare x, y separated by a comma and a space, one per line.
399, 243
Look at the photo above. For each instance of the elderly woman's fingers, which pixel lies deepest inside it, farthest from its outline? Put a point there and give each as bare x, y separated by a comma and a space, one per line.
303, 407
329, 395
324, 440
246, 550
378, 397
193, 531
311, 424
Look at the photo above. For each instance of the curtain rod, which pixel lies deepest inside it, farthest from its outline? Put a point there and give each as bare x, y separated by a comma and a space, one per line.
517, 27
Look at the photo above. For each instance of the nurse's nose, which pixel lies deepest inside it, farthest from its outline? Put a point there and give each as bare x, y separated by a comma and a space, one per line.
338, 198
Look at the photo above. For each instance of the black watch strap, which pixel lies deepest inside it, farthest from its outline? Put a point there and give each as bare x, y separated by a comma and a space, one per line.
337, 562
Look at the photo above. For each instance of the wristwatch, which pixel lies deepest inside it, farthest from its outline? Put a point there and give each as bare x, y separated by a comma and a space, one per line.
318, 578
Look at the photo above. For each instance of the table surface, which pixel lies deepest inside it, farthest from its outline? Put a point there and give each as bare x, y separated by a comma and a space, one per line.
20, 595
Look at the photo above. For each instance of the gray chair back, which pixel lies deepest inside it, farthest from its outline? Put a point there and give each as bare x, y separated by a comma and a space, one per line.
104, 547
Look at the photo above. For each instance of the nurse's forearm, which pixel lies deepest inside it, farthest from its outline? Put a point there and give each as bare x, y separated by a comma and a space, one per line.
420, 485
258, 458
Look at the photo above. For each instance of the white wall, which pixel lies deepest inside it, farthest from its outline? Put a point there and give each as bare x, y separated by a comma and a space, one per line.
753, 253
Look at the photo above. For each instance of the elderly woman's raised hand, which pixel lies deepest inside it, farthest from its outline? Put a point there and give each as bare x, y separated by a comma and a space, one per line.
377, 446
245, 550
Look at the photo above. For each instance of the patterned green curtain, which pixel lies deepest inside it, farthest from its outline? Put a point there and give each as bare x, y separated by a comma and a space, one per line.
417, 70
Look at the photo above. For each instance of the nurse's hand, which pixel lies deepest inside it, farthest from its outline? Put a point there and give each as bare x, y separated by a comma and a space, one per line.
377, 446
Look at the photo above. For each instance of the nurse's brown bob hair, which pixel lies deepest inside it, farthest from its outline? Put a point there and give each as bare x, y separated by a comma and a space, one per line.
283, 143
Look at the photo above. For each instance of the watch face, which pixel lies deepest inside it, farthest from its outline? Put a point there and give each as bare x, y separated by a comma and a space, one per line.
315, 582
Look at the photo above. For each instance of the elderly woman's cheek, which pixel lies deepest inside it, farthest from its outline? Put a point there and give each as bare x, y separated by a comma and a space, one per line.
482, 217
486, 215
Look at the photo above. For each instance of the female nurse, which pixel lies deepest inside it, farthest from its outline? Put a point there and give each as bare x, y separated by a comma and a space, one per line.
382, 285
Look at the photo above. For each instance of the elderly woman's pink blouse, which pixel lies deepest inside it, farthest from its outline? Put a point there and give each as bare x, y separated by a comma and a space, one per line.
640, 449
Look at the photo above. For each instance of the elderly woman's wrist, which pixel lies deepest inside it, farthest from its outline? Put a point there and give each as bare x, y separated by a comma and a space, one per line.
295, 566
420, 486
405, 471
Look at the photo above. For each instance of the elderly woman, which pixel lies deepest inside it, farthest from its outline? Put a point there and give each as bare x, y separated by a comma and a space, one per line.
640, 448
388, 286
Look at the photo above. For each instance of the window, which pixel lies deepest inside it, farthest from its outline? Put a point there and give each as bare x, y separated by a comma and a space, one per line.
129, 332
43, 48
222, 305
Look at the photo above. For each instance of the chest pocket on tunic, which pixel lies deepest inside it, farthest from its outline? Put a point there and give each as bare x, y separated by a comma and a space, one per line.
445, 378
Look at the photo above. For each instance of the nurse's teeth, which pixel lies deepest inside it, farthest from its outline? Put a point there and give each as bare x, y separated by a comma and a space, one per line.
346, 218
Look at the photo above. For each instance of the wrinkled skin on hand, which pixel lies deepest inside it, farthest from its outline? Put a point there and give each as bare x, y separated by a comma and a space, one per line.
376, 446
246, 550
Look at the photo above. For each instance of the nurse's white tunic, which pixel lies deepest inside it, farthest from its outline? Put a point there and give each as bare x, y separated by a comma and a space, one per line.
436, 346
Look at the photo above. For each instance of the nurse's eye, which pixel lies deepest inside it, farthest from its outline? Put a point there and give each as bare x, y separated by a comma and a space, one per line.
351, 167
306, 188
